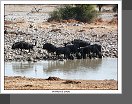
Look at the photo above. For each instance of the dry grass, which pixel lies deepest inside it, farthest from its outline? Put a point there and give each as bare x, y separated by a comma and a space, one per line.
114, 21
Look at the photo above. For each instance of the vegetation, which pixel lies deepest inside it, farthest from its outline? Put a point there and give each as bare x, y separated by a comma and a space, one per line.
83, 13
100, 6
115, 8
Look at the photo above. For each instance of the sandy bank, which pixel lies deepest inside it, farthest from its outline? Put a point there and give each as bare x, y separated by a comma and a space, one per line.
53, 83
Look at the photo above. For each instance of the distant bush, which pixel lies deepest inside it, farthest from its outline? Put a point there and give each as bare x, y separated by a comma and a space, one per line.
115, 8
83, 13
55, 15
86, 13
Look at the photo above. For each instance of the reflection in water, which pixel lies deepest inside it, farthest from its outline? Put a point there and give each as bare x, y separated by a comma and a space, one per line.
68, 69
22, 67
70, 65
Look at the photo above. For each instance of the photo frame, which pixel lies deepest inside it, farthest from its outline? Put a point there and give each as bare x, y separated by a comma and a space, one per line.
59, 91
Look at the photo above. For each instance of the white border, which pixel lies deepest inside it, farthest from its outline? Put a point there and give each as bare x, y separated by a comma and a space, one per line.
119, 91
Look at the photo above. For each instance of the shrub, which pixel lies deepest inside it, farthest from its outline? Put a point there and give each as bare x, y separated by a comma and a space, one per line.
86, 13
115, 8
83, 13
55, 16
68, 12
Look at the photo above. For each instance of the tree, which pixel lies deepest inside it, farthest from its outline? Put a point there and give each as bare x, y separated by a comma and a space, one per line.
100, 6
115, 8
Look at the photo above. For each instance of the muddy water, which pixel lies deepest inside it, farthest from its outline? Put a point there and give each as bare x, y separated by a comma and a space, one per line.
95, 69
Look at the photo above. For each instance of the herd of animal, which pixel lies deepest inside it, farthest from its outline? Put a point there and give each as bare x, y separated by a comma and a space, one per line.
77, 48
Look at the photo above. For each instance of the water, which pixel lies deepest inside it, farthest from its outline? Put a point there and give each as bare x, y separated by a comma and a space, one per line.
95, 69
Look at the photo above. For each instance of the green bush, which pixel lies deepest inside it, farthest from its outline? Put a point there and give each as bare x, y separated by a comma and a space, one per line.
55, 16
86, 13
83, 13
68, 12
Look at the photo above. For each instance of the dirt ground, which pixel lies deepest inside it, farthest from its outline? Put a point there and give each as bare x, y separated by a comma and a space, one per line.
53, 83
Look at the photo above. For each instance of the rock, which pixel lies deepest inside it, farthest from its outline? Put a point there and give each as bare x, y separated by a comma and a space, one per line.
28, 85
34, 60
94, 35
29, 59
76, 24
71, 82
54, 78
81, 30
37, 57
39, 51
55, 30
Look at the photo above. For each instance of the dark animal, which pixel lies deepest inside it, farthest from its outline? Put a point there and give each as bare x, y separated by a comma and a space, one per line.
63, 50
96, 50
85, 51
80, 43
23, 45
49, 47
73, 48
5, 32
16, 45
59, 50
79, 47
90, 51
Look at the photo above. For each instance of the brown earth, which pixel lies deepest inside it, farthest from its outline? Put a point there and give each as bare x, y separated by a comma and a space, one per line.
55, 83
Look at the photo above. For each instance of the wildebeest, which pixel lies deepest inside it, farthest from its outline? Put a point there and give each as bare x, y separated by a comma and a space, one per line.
90, 51
63, 50
16, 45
49, 47
73, 48
80, 43
66, 50
96, 50
78, 48
23, 45
85, 51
